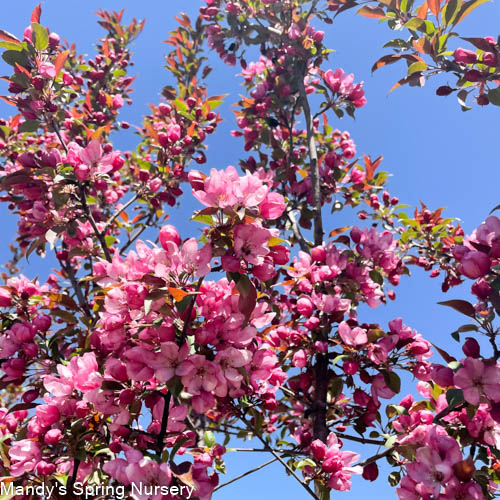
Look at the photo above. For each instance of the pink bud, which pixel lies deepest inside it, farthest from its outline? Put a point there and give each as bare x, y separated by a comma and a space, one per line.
45, 468
442, 375
471, 348
305, 306
463, 56
318, 254
5, 298
350, 367
52, 437
318, 449
169, 233
370, 471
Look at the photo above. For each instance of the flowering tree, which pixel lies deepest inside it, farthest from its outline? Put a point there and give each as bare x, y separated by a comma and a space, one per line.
134, 365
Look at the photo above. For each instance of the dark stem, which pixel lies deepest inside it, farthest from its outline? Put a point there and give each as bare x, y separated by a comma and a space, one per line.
276, 455
90, 218
164, 423
76, 287
247, 473
359, 439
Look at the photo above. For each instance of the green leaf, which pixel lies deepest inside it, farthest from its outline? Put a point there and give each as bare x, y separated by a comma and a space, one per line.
450, 11
455, 397
377, 277
416, 67
29, 126
204, 219
214, 104
393, 381
40, 35
466, 9
110, 240
394, 478
462, 96
304, 463
494, 98
11, 46
11, 57
414, 23
210, 440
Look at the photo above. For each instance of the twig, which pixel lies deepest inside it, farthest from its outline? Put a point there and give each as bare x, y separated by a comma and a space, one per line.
76, 287
359, 439
296, 232
247, 473
377, 457
90, 218
264, 450
118, 212
287, 467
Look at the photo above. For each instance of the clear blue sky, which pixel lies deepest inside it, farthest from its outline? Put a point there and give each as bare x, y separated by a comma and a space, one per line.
435, 152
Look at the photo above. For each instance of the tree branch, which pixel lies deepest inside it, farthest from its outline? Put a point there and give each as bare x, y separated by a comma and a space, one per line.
296, 232
164, 423
313, 155
276, 455
251, 471
90, 218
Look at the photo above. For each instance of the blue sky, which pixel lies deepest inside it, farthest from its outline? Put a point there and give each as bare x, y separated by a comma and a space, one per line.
436, 153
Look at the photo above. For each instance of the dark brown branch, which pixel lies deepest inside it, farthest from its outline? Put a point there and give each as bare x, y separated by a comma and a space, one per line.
164, 423
313, 156
360, 439
90, 218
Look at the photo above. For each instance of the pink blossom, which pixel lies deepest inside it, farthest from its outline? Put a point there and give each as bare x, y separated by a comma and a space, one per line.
24, 455
215, 190
353, 337
166, 362
47, 70
273, 206
477, 379
250, 242
198, 374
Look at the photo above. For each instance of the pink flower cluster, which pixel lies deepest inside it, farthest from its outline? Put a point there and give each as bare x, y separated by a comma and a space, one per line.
481, 250
337, 464
226, 189
342, 85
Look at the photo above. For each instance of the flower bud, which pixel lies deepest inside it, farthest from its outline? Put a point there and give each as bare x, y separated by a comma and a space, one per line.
471, 348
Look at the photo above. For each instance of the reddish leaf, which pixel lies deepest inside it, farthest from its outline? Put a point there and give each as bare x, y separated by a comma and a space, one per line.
435, 6
443, 353
370, 166
371, 11
8, 100
8, 37
37, 12
392, 58
339, 230
183, 20
177, 293
422, 11
60, 60
462, 306
480, 43
248, 296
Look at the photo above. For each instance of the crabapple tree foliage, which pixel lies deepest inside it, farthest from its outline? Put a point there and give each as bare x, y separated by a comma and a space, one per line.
137, 361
